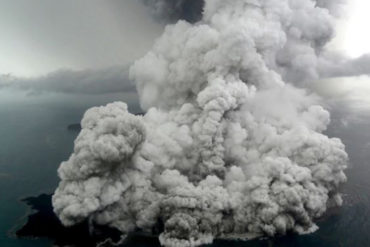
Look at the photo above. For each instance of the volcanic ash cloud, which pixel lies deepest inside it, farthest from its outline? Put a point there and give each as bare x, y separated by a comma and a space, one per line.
229, 146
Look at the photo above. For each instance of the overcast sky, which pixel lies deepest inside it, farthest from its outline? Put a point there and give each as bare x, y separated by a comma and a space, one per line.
91, 40
41, 36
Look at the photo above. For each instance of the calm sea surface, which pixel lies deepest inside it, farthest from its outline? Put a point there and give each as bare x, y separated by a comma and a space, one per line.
34, 140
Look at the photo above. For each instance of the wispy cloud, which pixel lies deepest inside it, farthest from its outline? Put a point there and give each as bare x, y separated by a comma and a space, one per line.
335, 65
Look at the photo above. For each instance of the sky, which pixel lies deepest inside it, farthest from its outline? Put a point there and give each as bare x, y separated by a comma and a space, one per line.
55, 45
41, 36
351, 38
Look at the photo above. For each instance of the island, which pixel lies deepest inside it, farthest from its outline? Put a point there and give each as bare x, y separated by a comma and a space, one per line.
43, 223
74, 127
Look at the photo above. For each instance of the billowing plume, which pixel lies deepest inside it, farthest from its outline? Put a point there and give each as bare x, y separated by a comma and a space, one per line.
229, 146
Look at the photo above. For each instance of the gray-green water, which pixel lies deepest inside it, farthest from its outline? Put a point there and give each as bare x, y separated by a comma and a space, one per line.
34, 140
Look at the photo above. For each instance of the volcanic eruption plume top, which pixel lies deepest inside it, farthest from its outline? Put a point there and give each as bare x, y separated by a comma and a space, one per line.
231, 144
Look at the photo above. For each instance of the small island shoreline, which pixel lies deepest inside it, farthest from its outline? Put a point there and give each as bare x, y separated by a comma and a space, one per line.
40, 221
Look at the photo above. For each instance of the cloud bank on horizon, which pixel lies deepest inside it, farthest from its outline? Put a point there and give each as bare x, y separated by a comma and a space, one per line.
231, 144
116, 78
98, 81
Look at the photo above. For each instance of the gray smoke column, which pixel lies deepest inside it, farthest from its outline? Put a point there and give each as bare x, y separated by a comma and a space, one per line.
229, 146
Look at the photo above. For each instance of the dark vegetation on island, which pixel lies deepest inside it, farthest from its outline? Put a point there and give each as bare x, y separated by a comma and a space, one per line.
43, 223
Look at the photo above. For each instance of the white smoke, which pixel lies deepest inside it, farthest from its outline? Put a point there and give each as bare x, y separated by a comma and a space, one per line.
226, 148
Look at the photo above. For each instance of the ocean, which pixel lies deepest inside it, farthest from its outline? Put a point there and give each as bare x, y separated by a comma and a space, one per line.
34, 139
